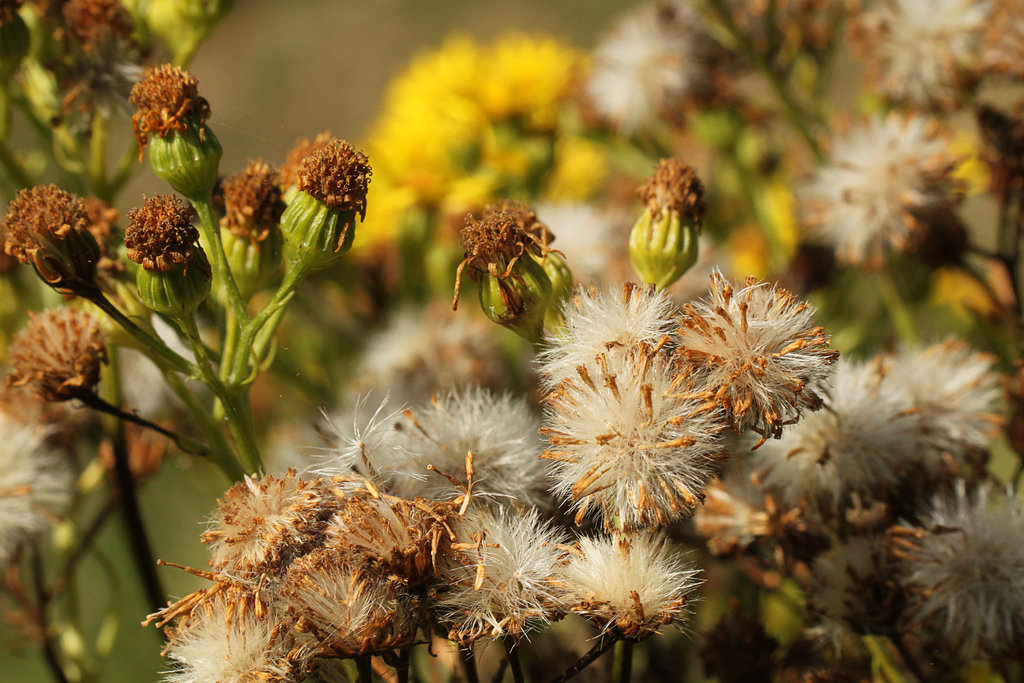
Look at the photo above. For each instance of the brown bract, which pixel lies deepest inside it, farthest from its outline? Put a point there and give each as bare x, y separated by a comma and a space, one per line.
48, 228
674, 186
160, 235
167, 99
337, 174
91, 22
58, 355
296, 155
252, 201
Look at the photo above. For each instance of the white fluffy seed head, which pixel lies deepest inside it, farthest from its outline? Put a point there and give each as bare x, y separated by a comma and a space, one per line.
36, 483
755, 352
885, 179
624, 445
228, 644
920, 52
652, 59
632, 588
861, 443
503, 581
963, 572
498, 429
733, 515
600, 322
955, 391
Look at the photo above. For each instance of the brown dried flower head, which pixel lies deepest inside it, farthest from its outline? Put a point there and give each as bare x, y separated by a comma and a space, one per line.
49, 228
297, 155
252, 201
261, 524
337, 174
103, 220
674, 186
756, 353
160, 235
58, 355
94, 22
167, 98
525, 217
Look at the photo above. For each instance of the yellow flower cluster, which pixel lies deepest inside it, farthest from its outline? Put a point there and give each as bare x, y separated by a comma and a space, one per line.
468, 122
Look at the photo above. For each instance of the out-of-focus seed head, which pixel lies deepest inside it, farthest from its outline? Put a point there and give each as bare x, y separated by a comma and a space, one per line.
49, 228
305, 147
95, 22
756, 353
58, 355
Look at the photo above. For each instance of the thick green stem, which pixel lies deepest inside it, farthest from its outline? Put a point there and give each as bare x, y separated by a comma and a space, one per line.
622, 664
222, 452
222, 276
235, 407
893, 299
270, 317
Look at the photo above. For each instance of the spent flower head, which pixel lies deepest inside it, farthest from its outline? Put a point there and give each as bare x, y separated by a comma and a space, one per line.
167, 100
160, 235
58, 355
756, 353
252, 201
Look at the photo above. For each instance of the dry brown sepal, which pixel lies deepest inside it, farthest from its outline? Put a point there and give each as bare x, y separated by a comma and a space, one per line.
262, 523
252, 201
761, 374
240, 596
58, 355
292, 166
167, 98
160, 235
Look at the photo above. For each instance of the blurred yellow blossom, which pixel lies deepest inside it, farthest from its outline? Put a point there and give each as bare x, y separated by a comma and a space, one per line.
960, 292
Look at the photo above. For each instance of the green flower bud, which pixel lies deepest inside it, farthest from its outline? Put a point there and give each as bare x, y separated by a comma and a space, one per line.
250, 232
519, 301
49, 229
514, 289
188, 160
175, 275
319, 223
255, 265
663, 243
184, 152
176, 292
557, 270
15, 40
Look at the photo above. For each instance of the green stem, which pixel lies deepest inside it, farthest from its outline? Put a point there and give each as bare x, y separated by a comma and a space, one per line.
796, 115
897, 307
235, 407
622, 661
222, 276
49, 643
221, 452
270, 317
98, 155
159, 351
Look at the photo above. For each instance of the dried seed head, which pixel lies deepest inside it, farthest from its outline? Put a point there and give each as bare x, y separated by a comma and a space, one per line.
292, 166
261, 524
496, 241
49, 228
337, 174
58, 355
167, 99
92, 22
160, 235
755, 352
252, 201
674, 186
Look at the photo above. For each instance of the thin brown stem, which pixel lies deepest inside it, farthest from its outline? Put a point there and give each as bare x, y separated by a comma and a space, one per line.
183, 442
365, 669
49, 647
62, 579
512, 657
468, 659
604, 643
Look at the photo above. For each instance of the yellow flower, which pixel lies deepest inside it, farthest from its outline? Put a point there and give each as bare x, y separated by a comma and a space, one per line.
961, 293
972, 170
580, 167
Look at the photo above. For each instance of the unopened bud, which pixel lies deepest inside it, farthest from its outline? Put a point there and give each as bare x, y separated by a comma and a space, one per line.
171, 117
49, 228
175, 274
663, 243
319, 223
